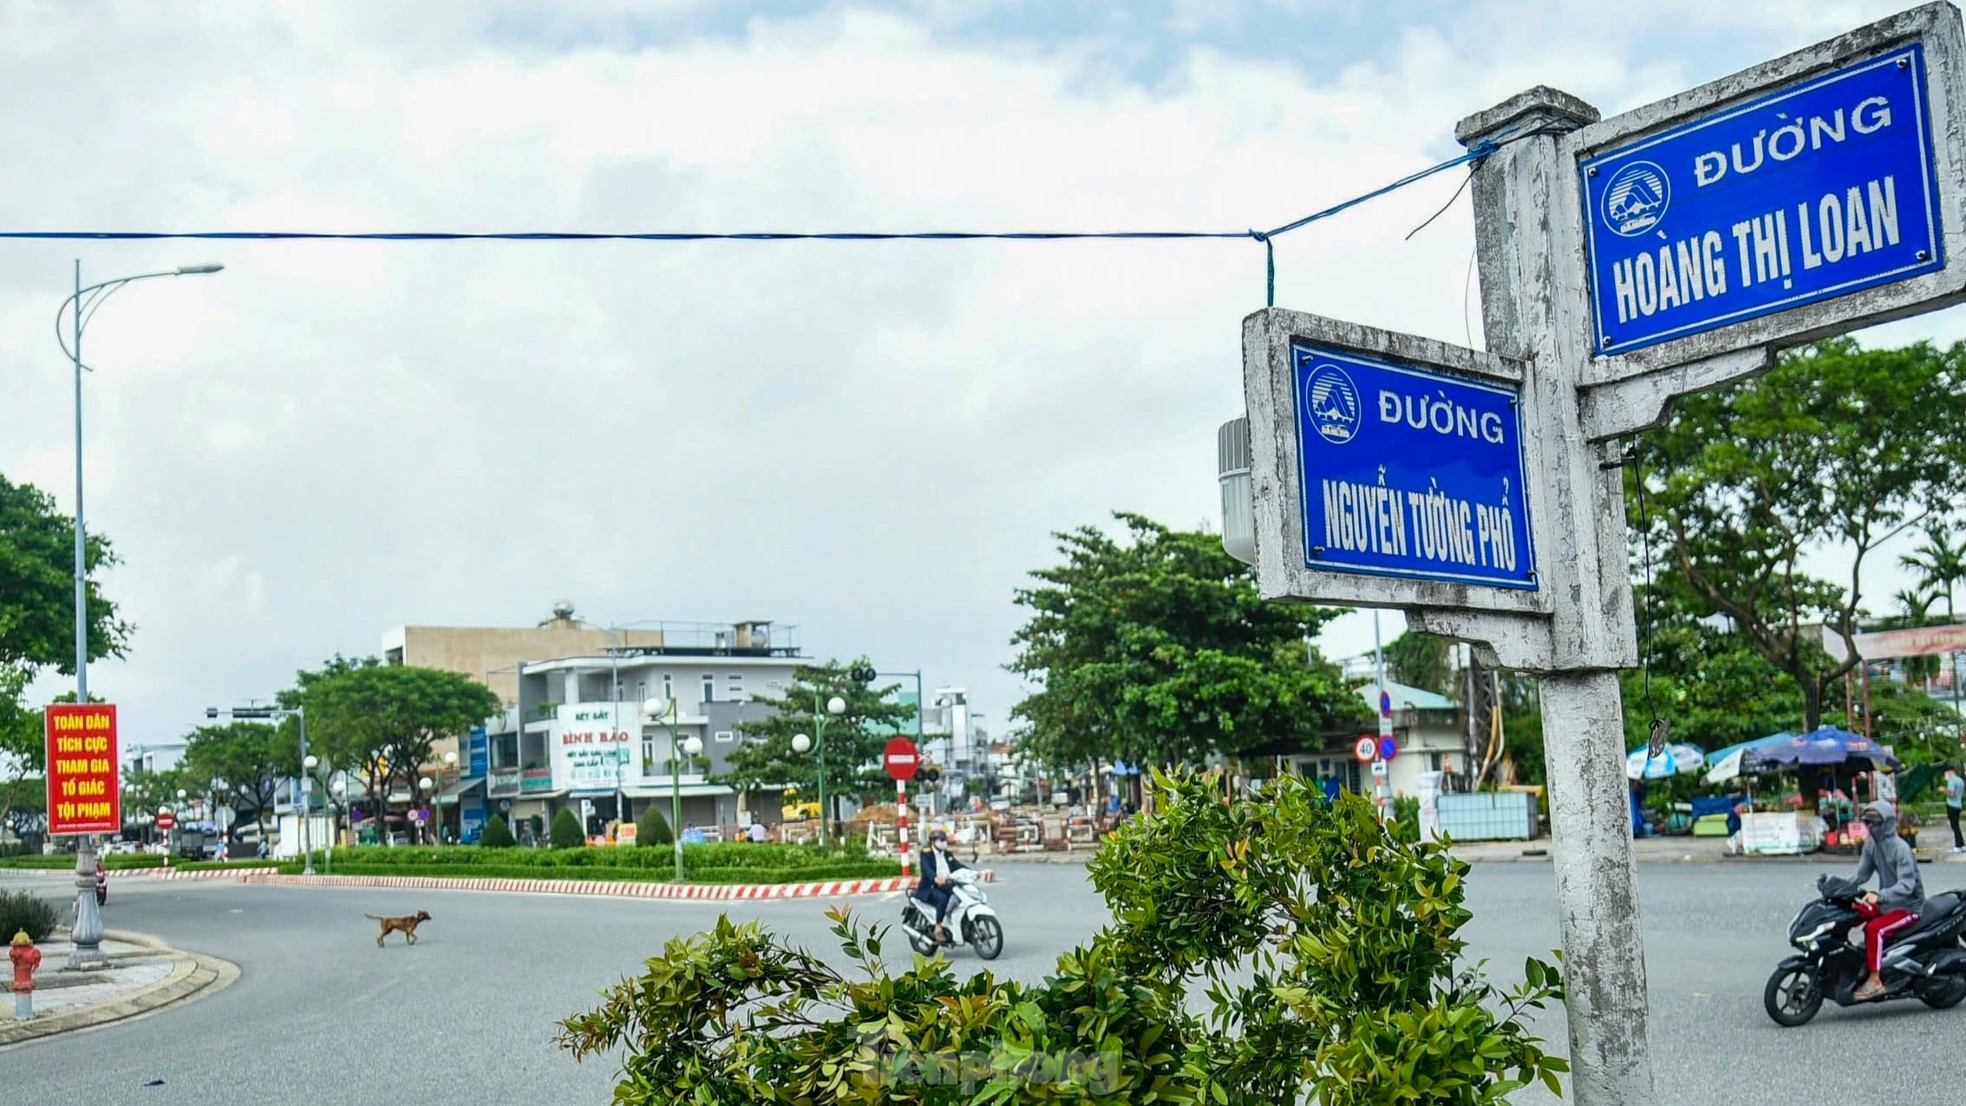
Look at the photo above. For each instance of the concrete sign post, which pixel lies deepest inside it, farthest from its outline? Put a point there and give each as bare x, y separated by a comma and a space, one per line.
1623, 262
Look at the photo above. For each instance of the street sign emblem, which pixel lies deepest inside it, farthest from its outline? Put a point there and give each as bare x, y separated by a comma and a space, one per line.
1366, 748
1636, 198
166, 820
1331, 403
1385, 703
1409, 472
1379, 768
1388, 748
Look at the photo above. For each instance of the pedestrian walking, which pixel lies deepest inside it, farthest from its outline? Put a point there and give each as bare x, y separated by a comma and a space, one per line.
1955, 798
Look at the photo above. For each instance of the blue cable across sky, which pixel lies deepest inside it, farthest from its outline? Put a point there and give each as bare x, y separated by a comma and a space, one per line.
1474, 153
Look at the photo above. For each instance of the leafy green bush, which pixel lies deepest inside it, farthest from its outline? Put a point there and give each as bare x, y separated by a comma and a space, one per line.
20, 911
652, 828
65, 862
1406, 811
1260, 952
567, 833
497, 835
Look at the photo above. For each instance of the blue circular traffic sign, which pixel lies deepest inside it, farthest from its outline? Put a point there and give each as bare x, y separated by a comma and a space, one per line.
1388, 748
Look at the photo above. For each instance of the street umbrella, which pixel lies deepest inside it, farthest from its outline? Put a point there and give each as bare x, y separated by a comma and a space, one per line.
1673, 760
1744, 759
1828, 745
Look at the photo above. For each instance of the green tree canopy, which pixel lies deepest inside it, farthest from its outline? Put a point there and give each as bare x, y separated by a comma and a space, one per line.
1423, 661
250, 757
380, 721
1157, 649
1837, 449
37, 585
853, 738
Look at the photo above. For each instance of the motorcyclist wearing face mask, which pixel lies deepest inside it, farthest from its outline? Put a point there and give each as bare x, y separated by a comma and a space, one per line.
1900, 892
937, 865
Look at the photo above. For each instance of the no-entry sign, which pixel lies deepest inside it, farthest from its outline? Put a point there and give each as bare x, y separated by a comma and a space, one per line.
901, 759
84, 792
166, 821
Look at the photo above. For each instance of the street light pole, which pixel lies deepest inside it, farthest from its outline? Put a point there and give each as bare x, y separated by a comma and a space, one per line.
88, 932
304, 780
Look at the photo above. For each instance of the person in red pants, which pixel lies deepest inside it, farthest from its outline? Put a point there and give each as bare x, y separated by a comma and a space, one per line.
1900, 890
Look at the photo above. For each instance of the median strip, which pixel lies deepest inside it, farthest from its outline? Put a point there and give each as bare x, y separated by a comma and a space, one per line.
606, 888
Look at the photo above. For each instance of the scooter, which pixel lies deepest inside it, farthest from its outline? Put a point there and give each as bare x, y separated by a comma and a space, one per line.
971, 920
1926, 962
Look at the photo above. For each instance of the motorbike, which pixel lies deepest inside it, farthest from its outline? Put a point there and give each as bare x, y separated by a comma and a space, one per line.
971, 920
1926, 961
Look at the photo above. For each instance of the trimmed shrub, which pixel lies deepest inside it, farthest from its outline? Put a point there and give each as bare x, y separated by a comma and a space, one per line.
567, 833
497, 835
21, 911
652, 828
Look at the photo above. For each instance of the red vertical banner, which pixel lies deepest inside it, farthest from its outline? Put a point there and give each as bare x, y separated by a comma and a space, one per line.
84, 769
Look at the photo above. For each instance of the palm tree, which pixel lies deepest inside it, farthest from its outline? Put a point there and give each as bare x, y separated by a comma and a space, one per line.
1940, 564
1917, 607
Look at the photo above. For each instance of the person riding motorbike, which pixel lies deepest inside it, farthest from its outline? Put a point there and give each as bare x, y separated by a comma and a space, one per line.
1901, 891
933, 889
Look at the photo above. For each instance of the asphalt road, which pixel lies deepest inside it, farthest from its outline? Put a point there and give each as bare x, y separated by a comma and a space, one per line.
467, 1015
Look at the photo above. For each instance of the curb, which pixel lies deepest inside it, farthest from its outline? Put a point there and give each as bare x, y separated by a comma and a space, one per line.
194, 974
623, 889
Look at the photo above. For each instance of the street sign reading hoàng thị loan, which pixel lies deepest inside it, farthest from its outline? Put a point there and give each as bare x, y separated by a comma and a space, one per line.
1809, 192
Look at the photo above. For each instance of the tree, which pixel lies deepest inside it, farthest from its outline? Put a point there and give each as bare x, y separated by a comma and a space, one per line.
853, 739
652, 828
37, 579
381, 720
1917, 607
1261, 950
1157, 649
1421, 660
566, 832
24, 809
250, 757
1837, 448
497, 834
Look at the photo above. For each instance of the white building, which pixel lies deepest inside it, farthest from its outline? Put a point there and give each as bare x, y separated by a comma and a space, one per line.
153, 756
578, 732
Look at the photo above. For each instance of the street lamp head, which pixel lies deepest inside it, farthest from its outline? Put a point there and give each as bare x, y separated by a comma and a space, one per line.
450, 758
181, 792
199, 269
656, 707
801, 743
692, 745
312, 762
836, 705
426, 783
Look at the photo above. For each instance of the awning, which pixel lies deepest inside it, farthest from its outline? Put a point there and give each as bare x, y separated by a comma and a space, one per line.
688, 790
454, 792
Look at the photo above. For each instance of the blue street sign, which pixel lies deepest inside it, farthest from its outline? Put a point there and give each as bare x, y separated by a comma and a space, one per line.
1388, 748
1815, 191
1386, 704
1410, 472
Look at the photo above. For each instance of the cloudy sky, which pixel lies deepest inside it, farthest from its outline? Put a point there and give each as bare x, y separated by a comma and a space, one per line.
872, 441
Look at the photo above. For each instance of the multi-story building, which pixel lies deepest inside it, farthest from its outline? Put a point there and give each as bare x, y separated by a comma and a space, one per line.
579, 736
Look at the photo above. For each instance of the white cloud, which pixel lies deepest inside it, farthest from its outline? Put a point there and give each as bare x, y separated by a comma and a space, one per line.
872, 440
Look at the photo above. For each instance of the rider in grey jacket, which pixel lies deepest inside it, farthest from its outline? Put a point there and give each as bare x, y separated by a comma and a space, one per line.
1900, 890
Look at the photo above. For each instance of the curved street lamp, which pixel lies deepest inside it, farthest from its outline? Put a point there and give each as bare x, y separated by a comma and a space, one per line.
87, 934
664, 710
800, 743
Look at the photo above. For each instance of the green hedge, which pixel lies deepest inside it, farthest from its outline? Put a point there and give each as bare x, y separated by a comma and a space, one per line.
728, 855
872, 869
113, 862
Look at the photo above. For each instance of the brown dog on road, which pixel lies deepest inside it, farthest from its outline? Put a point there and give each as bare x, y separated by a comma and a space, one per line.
406, 925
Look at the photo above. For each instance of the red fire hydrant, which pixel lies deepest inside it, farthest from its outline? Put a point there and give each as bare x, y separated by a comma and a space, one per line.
26, 959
